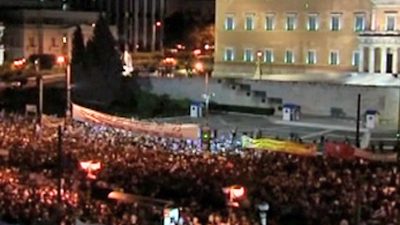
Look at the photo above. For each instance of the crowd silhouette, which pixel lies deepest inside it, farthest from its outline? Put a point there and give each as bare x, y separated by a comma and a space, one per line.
299, 190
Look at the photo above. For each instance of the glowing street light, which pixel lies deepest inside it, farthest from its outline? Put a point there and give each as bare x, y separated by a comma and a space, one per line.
90, 167
236, 194
61, 60
258, 73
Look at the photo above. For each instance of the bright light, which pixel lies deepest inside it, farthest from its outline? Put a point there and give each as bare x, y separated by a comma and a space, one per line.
158, 24
93, 24
259, 54
180, 47
64, 40
19, 62
170, 61
60, 59
197, 52
238, 191
207, 47
199, 67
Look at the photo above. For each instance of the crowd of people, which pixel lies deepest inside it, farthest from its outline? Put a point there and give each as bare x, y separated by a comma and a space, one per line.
299, 190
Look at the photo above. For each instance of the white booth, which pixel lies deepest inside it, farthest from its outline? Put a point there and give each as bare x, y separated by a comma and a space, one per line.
196, 109
371, 119
291, 112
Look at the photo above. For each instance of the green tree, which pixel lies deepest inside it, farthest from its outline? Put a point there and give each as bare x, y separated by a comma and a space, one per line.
78, 47
102, 51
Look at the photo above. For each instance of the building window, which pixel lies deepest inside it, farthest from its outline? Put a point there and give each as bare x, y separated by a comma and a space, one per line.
359, 23
229, 54
334, 58
268, 56
311, 57
312, 24
248, 55
356, 58
270, 22
229, 22
31, 41
291, 21
53, 42
249, 22
289, 57
335, 22
390, 22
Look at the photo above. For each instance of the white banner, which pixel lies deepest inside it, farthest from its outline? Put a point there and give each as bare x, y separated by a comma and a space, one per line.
184, 131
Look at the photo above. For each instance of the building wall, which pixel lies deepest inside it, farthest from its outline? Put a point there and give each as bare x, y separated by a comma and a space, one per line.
300, 40
314, 98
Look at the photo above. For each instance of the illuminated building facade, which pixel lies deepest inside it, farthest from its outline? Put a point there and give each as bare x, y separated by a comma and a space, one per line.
306, 36
29, 32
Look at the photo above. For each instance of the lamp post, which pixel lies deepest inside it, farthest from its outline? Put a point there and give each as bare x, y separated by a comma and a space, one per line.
39, 84
258, 73
262, 210
154, 35
207, 95
68, 112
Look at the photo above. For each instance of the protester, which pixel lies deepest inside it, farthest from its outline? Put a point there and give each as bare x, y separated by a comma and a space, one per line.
309, 190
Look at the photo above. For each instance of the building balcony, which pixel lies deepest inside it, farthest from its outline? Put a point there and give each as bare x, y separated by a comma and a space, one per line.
379, 33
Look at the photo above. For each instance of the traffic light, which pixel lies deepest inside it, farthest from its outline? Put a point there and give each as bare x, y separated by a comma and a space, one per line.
205, 138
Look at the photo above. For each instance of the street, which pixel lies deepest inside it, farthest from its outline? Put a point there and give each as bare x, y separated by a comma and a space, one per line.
306, 130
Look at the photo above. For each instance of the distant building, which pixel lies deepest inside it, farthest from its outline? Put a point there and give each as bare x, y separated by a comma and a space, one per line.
306, 36
29, 32
204, 7
140, 23
1, 44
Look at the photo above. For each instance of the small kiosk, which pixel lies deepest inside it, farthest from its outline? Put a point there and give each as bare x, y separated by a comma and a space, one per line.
371, 119
196, 109
291, 112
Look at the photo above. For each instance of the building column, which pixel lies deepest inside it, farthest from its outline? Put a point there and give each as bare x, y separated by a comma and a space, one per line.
383, 60
371, 63
394, 60
373, 20
361, 59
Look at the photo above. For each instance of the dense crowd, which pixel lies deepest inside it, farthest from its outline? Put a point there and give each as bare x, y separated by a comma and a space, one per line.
299, 190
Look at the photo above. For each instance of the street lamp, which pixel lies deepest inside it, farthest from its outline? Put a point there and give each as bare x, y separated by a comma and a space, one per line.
258, 73
154, 35
262, 210
91, 168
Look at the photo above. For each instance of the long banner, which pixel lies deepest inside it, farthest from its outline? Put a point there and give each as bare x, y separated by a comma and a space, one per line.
184, 131
279, 146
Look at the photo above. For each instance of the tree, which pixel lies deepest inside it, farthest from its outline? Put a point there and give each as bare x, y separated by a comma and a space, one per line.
102, 51
78, 47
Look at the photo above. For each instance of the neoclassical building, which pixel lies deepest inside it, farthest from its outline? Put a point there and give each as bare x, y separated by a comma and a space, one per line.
306, 36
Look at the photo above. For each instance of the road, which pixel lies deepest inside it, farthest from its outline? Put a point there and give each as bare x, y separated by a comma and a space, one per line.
47, 80
308, 131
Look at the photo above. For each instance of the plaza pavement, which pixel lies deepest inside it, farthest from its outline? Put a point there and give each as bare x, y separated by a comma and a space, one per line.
308, 128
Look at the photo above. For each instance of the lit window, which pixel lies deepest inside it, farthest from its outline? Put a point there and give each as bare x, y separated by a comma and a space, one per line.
334, 58
31, 41
270, 22
390, 22
248, 55
268, 56
229, 22
53, 42
229, 54
289, 57
291, 22
249, 24
312, 24
359, 23
356, 58
335, 22
311, 57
